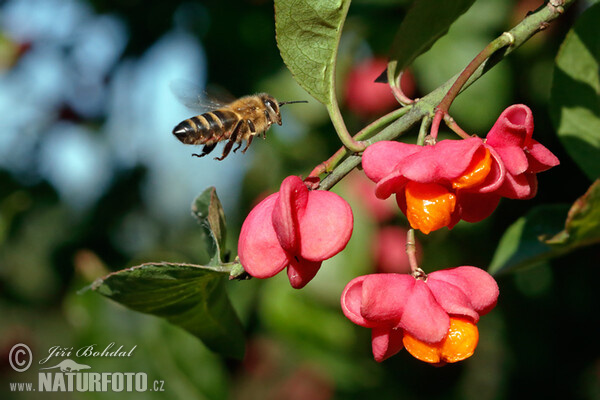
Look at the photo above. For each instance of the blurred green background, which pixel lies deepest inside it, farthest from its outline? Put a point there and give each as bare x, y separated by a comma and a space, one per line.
92, 181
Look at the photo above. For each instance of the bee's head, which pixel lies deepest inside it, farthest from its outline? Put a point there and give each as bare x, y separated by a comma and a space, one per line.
272, 107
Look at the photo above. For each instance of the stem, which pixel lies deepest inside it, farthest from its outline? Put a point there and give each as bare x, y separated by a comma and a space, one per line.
368, 130
411, 250
426, 106
506, 39
330, 163
398, 93
340, 128
451, 123
341, 171
365, 133
332, 106
425, 123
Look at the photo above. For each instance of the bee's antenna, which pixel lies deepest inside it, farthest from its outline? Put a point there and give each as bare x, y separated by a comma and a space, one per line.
292, 102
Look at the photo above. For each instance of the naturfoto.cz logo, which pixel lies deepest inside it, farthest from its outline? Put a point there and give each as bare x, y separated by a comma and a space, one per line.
70, 376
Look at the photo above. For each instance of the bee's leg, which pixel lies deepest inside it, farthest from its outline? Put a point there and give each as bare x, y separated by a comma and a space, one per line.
248, 144
252, 129
238, 147
232, 140
226, 150
206, 150
251, 126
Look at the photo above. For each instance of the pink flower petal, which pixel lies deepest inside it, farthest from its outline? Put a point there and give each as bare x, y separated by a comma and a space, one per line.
522, 186
475, 207
423, 317
496, 175
386, 342
446, 160
442, 162
384, 296
301, 271
380, 159
478, 285
540, 158
533, 184
351, 301
401, 201
293, 197
513, 128
455, 217
452, 299
514, 159
258, 248
325, 227
392, 183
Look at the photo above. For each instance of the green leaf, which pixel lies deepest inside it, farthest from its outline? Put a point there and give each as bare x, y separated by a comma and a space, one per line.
575, 96
308, 35
425, 22
521, 246
543, 232
583, 221
208, 210
190, 296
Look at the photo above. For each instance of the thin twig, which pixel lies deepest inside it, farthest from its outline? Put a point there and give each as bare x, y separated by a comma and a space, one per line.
341, 130
411, 250
399, 93
506, 39
423, 129
451, 123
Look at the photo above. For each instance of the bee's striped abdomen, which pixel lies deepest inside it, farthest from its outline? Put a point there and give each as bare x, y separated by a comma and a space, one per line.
208, 128
212, 122
221, 121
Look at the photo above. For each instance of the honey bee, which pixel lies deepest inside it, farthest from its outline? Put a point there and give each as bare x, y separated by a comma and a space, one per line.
240, 120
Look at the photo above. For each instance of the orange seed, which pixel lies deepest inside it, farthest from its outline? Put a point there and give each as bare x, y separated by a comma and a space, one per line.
475, 174
458, 345
429, 206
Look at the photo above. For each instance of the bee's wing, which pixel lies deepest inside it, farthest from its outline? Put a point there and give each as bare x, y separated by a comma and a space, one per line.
195, 98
